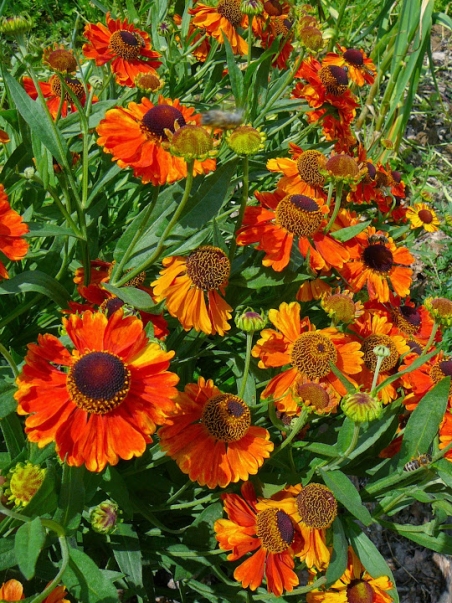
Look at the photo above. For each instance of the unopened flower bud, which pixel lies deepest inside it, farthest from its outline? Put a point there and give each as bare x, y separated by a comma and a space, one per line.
104, 517
440, 309
17, 25
361, 406
250, 321
23, 483
245, 140
381, 351
251, 7
29, 172
191, 142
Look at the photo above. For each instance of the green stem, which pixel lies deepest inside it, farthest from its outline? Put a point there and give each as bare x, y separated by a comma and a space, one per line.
249, 343
335, 464
330, 193
188, 185
21, 310
188, 505
250, 39
299, 424
119, 268
243, 202
64, 562
376, 373
337, 206
430, 339
340, 16
52, 192
9, 359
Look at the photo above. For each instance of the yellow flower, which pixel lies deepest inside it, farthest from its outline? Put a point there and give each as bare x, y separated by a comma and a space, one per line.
421, 215
23, 483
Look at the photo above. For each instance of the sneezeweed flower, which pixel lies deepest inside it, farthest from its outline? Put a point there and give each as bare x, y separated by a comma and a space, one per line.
104, 517
113, 381
314, 288
303, 173
191, 142
445, 434
343, 168
148, 82
23, 481
440, 309
421, 380
192, 287
284, 219
137, 137
311, 38
15, 26
222, 20
59, 59
12, 590
52, 92
361, 407
340, 307
245, 140
360, 68
334, 79
319, 398
12, 229
128, 49
259, 526
356, 585
306, 351
423, 216
378, 265
215, 427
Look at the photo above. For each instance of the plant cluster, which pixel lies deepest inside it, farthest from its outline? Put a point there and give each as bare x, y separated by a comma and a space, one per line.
216, 376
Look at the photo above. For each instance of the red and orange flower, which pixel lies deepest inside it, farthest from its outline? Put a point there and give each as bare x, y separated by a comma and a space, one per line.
302, 174
184, 284
52, 92
128, 49
100, 401
307, 350
137, 138
13, 590
12, 229
360, 68
222, 20
280, 220
257, 526
215, 427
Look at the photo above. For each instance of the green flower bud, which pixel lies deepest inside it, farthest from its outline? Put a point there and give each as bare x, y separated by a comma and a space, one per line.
250, 321
104, 517
361, 407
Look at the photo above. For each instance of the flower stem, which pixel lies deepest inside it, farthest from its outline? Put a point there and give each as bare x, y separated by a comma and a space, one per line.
376, 373
337, 206
249, 343
299, 424
335, 464
243, 202
64, 562
250, 39
9, 359
430, 339
158, 250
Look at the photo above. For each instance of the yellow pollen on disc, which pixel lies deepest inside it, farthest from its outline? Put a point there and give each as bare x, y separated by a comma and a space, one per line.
299, 214
208, 268
313, 394
317, 506
226, 417
312, 354
73, 84
275, 529
230, 10
126, 44
370, 359
98, 382
340, 306
309, 165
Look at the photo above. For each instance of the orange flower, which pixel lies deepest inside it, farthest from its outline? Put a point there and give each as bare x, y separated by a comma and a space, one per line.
12, 590
223, 20
211, 438
12, 245
186, 281
377, 262
308, 351
268, 532
356, 584
280, 220
445, 434
136, 138
268, 27
51, 90
302, 174
361, 69
107, 402
128, 49
422, 379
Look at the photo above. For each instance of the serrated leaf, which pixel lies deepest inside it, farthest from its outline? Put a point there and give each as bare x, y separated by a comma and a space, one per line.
29, 540
346, 493
424, 422
345, 234
86, 582
37, 282
338, 562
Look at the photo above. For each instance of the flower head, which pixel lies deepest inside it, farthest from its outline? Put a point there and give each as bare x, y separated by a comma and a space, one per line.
12, 590
12, 229
215, 427
360, 68
245, 140
319, 397
191, 142
52, 91
128, 49
260, 527
361, 407
60, 59
112, 381
148, 82
316, 506
222, 20
24, 480
440, 309
137, 137
339, 305
191, 288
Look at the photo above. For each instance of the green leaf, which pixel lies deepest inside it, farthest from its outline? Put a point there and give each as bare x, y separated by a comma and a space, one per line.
47, 230
338, 562
424, 422
441, 543
86, 582
317, 448
345, 234
115, 486
7, 402
7, 556
370, 556
127, 552
72, 498
347, 494
13, 434
29, 540
345, 435
235, 75
38, 282
134, 297
37, 118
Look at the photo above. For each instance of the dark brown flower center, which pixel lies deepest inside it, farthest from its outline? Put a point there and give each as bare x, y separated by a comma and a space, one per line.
313, 394
354, 57
359, 591
275, 529
370, 359
317, 506
161, 118
230, 10
226, 417
273, 8
425, 216
282, 26
126, 44
378, 257
208, 268
312, 354
309, 164
408, 319
371, 170
299, 214
98, 382
342, 166
72, 83
111, 305
334, 79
